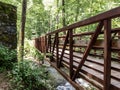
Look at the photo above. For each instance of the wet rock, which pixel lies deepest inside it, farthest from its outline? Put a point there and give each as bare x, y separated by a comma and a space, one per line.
67, 86
60, 82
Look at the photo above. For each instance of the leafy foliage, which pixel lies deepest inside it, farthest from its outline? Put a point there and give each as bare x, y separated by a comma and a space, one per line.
7, 57
31, 51
39, 56
29, 76
40, 20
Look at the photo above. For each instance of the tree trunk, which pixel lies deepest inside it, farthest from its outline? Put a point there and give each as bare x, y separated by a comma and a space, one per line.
77, 12
23, 19
63, 14
57, 16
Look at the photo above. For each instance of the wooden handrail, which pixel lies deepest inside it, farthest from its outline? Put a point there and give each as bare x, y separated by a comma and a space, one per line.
105, 15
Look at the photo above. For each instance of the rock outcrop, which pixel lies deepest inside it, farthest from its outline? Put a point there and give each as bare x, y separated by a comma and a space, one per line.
8, 29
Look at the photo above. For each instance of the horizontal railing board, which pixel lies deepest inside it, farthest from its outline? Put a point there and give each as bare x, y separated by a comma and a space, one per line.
96, 76
96, 67
93, 82
106, 15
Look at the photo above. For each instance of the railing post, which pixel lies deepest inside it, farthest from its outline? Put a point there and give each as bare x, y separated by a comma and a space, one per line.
107, 54
36, 43
119, 39
54, 44
65, 43
41, 38
71, 52
49, 43
57, 49
43, 44
39, 44
46, 43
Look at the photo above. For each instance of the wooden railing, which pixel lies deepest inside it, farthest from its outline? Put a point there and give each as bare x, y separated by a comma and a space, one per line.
40, 44
93, 56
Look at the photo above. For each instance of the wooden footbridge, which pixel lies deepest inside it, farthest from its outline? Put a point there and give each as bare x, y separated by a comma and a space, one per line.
93, 56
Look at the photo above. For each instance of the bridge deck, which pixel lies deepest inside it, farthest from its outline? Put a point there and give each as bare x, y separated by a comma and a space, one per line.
93, 69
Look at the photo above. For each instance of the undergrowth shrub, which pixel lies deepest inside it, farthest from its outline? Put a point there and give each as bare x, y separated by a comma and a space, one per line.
31, 51
27, 75
7, 58
39, 56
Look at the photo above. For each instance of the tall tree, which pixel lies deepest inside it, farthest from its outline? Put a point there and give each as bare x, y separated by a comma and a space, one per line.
63, 14
77, 10
57, 16
23, 20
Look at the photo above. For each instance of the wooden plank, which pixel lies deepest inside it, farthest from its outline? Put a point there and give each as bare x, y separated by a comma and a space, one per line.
87, 78
107, 54
88, 72
93, 74
90, 81
115, 47
95, 35
71, 52
93, 61
98, 44
78, 55
96, 67
115, 30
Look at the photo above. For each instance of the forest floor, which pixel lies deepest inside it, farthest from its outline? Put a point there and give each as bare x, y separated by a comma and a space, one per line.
59, 80
4, 81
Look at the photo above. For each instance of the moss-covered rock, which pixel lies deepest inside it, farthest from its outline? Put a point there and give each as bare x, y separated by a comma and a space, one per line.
8, 30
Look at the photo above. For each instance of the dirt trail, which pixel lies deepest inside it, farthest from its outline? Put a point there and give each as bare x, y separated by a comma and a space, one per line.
4, 85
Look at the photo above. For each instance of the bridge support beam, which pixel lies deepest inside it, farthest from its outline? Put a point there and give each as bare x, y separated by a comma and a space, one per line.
71, 52
65, 43
57, 49
94, 38
107, 54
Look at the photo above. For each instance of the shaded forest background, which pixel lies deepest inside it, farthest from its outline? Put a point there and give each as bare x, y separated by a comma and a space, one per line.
44, 16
